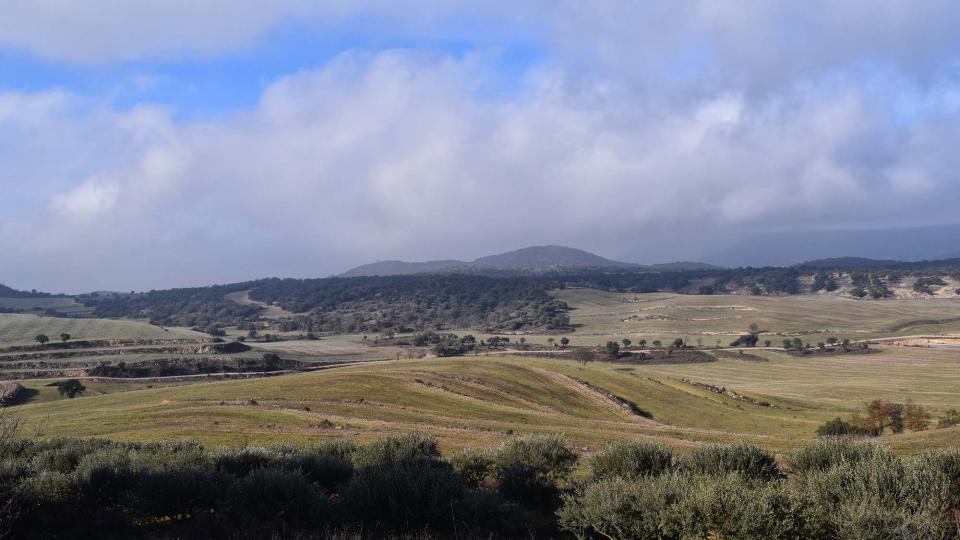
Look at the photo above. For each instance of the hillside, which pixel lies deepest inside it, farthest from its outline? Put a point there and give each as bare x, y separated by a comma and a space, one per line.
401, 268
481, 401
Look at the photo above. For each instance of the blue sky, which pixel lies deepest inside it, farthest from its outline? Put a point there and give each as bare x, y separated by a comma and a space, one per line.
161, 143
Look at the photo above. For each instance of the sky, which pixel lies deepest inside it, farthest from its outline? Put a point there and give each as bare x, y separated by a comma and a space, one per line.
164, 143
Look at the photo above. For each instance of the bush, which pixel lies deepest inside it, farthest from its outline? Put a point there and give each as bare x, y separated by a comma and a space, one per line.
743, 459
836, 428
528, 469
735, 506
270, 496
403, 496
409, 447
630, 460
647, 508
472, 466
547, 456
830, 453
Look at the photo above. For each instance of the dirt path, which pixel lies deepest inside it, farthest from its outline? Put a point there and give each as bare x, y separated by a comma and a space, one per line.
269, 311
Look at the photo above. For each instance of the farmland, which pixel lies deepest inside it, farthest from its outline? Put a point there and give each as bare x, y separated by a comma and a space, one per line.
599, 316
775, 399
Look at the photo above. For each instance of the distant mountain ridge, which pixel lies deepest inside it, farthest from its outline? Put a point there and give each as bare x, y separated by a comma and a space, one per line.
529, 259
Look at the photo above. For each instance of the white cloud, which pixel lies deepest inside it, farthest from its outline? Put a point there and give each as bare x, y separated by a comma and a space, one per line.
86, 201
701, 116
396, 155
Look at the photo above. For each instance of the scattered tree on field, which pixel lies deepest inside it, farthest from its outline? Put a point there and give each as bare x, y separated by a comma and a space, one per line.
626, 342
583, 355
64, 337
70, 388
564, 341
41, 339
915, 416
612, 349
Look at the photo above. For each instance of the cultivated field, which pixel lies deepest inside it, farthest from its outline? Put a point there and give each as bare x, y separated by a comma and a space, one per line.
601, 316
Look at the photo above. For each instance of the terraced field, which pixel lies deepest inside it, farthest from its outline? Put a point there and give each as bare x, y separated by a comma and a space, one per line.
479, 401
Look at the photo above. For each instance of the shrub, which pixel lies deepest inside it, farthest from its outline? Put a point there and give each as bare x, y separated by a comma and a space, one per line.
409, 447
547, 456
472, 466
829, 453
631, 459
836, 428
272, 496
646, 508
403, 495
744, 459
528, 469
735, 506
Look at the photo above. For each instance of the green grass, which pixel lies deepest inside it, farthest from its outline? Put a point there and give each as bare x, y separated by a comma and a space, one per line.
481, 401
17, 329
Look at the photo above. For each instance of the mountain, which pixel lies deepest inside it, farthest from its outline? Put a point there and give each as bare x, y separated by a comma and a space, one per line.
527, 259
794, 247
543, 257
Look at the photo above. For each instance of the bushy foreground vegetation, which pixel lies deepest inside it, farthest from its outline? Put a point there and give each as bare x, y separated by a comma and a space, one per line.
833, 489
106, 489
527, 488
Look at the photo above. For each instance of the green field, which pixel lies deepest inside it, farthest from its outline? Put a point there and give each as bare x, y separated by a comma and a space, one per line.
19, 329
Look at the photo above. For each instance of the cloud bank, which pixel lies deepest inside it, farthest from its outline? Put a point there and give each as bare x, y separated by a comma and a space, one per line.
646, 127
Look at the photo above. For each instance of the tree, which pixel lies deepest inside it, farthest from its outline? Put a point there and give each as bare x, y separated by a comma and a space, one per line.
41, 339
657, 343
915, 416
612, 349
767, 343
65, 337
550, 341
836, 428
754, 328
678, 343
523, 341
70, 388
252, 334
642, 343
626, 343
564, 341
831, 341
583, 355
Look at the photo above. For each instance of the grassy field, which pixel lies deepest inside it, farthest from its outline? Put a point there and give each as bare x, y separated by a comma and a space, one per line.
601, 316
18, 329
62, 305
480, 401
